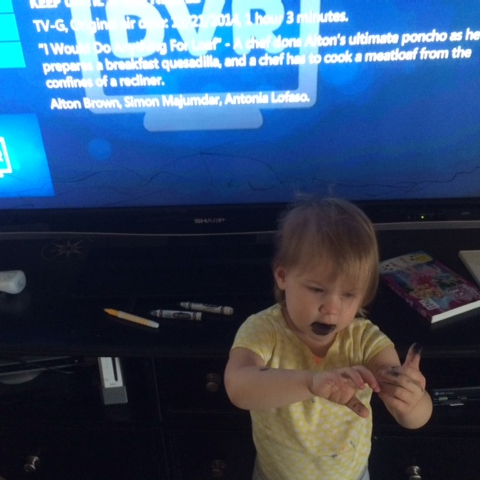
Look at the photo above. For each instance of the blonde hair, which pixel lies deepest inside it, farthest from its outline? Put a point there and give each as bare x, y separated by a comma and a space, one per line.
334, 233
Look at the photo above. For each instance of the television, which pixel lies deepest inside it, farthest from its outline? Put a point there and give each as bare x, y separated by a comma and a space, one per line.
208, 116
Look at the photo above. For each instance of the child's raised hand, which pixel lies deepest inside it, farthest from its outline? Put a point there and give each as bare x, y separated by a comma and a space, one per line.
340, 385
402, 387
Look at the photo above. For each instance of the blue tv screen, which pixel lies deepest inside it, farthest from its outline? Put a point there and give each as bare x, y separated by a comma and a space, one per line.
130, 104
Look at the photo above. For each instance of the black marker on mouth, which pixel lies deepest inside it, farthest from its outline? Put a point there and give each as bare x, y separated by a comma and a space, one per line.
322, 328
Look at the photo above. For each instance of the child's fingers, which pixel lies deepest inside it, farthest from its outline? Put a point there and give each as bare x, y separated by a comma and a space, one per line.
413, 356
357, 407
357, 377
367, 377
395, 378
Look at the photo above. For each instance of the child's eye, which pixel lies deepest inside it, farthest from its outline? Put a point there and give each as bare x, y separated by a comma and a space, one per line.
316, 289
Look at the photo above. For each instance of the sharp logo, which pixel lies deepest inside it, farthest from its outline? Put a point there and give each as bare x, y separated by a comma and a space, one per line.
202, 221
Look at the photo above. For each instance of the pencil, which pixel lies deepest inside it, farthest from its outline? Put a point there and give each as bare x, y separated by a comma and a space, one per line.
131, 318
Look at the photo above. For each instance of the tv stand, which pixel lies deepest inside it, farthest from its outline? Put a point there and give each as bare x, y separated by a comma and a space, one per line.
175, 421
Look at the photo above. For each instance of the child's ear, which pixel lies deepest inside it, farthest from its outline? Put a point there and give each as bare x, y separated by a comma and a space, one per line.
280, 275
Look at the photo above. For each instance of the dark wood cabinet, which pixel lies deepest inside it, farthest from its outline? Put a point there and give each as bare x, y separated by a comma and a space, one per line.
178, 423
439, 457
54, 425
207, 437
212, 452
449, 445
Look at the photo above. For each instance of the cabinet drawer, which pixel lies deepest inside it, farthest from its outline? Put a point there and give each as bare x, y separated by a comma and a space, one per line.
76, 454
435, 458
207, 455
194, 386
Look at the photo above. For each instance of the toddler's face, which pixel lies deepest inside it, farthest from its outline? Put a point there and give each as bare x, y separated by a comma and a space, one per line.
318, 304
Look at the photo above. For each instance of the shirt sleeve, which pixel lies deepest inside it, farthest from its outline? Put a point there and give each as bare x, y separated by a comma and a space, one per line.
373, 340
256, 334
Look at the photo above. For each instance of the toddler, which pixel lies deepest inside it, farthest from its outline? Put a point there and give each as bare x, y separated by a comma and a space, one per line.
306, 367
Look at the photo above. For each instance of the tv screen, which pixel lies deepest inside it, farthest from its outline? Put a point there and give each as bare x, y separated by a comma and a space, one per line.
158, 107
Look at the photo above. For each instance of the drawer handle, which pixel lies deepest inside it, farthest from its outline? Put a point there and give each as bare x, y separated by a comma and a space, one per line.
218, 467
31, 464
414, 473
214, 380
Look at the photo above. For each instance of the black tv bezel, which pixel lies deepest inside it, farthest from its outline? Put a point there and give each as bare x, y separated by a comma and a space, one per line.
190, 220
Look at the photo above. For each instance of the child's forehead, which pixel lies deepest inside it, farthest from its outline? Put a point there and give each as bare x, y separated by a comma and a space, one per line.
326, 270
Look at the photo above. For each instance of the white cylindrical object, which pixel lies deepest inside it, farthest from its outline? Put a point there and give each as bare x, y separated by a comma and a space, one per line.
205, 307
12, 281
176, 314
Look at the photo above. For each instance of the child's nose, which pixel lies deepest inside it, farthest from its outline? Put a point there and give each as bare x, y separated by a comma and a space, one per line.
330, 305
